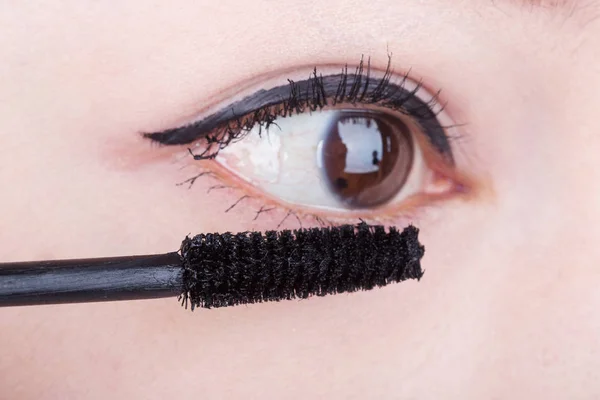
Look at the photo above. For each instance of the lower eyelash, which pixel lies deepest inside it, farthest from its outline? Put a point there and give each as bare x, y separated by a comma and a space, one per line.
262, 209
286, 214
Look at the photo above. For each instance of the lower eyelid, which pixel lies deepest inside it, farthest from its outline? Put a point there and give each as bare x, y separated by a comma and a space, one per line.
445, 184
230, 197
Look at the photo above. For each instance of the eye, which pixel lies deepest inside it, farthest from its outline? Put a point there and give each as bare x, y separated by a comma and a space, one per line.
344, 159
341, 145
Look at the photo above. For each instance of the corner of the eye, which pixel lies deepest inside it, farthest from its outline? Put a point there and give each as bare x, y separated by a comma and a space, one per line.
478, 189
459, 185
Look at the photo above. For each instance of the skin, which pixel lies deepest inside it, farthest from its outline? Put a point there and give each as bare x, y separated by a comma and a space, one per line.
509, 306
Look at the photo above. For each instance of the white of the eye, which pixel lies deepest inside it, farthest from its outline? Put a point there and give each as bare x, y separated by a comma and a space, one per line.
284, 160
257, 155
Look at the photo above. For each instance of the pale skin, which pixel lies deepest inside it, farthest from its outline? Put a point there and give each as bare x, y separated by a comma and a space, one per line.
509, 305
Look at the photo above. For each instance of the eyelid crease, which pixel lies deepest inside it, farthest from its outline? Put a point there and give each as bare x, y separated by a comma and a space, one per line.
318, 91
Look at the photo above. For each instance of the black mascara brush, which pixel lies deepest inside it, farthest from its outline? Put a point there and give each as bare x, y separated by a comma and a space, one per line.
217, 270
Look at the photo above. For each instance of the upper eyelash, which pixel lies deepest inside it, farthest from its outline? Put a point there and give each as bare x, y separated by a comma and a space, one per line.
262, 108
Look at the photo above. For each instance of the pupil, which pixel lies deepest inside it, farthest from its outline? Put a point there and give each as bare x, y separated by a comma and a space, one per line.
366, 157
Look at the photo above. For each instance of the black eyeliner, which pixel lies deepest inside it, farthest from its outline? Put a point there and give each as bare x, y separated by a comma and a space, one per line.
227, 124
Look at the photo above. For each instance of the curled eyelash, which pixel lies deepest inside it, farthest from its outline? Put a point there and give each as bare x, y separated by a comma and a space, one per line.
313, 95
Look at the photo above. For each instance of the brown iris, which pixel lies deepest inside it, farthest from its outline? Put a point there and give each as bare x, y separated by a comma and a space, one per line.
366, 157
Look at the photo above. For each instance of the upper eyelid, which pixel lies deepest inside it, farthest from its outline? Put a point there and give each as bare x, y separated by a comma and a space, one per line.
356, 85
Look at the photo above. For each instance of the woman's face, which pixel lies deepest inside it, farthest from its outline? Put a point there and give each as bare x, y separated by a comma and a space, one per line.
509, 304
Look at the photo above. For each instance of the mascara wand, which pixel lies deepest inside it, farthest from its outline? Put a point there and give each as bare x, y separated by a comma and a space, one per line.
218, 270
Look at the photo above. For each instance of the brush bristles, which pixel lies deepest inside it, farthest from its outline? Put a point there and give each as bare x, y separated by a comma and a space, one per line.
229, 269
